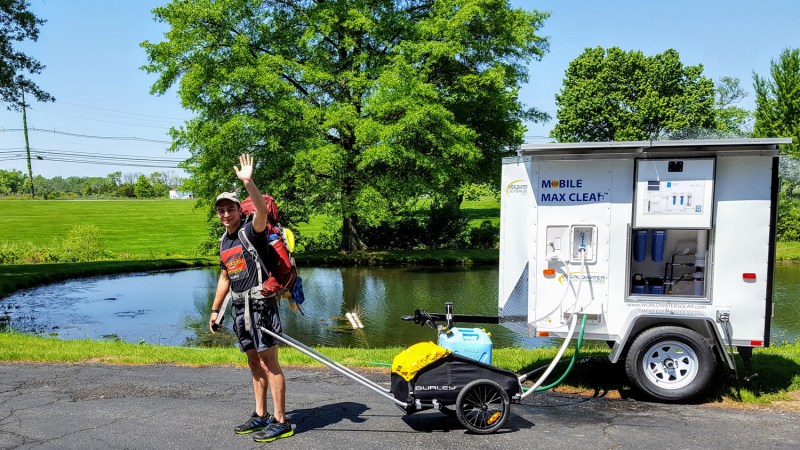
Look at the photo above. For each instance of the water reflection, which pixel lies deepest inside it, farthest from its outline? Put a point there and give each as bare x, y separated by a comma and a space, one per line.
172, 308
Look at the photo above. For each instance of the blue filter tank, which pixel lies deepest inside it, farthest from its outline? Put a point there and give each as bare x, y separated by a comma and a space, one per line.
472, 343
658, 245
639, 245
655, 286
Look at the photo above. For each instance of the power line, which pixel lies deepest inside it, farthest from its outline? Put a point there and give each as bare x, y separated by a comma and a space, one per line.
95, 162
117, 111
106, 121
46, 152
89, 136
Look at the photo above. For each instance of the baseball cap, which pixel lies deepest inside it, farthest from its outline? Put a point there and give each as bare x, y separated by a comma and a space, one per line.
227, 196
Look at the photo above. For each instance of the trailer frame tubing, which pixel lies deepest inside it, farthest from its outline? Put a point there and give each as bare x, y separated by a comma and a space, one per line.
310, 352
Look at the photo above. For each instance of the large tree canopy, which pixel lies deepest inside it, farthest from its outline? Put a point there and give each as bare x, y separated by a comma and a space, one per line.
17, 24
729, 118
355, 108
778, 115
778, 100
613, 95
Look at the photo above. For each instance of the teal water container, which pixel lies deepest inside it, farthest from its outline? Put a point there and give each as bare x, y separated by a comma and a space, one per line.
472, 343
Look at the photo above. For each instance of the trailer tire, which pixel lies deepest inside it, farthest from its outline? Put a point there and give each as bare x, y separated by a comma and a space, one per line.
483, 406
670, 363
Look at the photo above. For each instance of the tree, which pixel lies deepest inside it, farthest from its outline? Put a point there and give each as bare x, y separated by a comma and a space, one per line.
11, 182
160, 183
114, 178
729, 118
778, 101
778, 115
143, 188
613, 95
17, 24
357, 108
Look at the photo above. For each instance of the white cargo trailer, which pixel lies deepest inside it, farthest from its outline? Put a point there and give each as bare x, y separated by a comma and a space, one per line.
666, 246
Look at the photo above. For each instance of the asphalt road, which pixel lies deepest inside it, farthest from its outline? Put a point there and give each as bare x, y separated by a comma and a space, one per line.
88, 406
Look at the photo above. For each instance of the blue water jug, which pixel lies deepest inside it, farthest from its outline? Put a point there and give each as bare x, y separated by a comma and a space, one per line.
472, 343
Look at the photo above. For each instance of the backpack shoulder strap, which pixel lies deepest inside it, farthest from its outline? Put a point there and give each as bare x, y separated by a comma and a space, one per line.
253, 253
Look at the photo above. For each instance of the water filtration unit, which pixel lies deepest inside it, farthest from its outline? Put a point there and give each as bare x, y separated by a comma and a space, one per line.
665, 248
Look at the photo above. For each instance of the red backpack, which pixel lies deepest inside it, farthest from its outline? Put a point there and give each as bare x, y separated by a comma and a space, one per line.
272, 209
283, 278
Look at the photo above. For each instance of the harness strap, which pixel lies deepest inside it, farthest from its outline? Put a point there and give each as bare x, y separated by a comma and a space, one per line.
247, 296
223, 308
254, 254
238, 299
254, 292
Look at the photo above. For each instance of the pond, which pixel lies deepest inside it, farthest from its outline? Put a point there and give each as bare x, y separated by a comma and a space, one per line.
172, 307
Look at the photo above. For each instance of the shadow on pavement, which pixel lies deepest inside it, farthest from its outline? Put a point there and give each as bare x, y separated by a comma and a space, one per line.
319, 417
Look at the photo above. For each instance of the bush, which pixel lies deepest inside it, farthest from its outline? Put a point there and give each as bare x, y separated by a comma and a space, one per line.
788, 226
328, 239
442, 227
438, 228
28, 254
403, 234
82, 243
445, 227
487, 235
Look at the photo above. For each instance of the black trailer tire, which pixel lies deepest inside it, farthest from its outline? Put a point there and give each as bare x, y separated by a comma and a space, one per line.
670, 363
483, 406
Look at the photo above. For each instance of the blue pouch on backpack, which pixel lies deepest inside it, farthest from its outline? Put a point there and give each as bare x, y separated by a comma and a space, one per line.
297, 291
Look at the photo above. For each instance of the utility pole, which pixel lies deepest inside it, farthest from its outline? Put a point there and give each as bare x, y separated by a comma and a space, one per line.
27, 145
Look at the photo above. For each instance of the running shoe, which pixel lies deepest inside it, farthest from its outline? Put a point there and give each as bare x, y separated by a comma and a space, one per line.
255, 423
274, 431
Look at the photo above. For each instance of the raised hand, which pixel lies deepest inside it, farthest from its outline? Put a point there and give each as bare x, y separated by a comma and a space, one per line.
245, 171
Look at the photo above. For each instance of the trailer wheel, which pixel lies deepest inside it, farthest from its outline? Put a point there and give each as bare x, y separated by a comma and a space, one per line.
670, 363
483, 406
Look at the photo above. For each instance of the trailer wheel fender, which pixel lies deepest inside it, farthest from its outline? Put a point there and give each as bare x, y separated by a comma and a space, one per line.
670, 363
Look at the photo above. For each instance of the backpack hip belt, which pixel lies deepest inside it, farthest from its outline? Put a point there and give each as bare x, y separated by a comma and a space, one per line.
250, 298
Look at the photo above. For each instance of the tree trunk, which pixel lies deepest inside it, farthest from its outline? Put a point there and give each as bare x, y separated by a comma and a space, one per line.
351, 242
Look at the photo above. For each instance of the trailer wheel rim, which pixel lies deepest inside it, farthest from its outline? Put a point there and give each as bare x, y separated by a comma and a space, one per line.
670, 364
483, 407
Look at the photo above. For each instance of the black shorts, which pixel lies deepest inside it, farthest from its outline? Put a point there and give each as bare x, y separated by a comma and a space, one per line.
255, 338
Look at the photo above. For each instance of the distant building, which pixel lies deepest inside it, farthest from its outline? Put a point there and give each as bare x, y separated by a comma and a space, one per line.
180, 195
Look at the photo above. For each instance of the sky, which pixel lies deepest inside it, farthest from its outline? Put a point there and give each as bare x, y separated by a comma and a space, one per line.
104, 114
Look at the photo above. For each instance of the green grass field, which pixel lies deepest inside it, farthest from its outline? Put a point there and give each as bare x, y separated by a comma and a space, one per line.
148, 228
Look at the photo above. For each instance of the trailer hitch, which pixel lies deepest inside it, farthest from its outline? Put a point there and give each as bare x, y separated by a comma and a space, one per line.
423, 318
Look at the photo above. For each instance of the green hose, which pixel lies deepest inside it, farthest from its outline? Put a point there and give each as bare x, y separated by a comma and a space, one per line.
571, 363
382, 364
